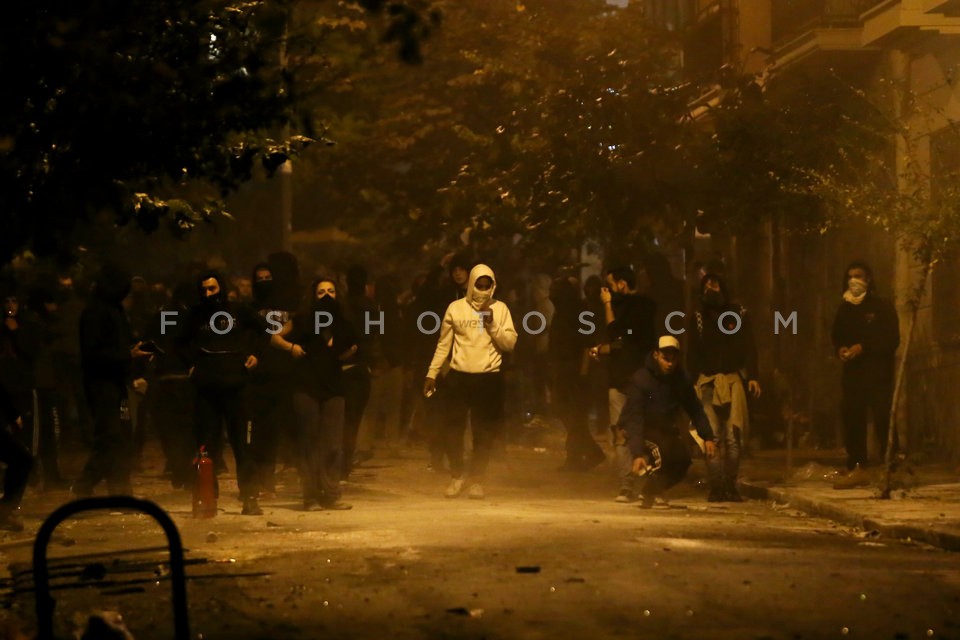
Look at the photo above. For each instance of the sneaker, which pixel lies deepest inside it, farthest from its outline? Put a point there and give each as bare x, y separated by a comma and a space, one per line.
857, 477
646, 502
476, 491
454, 488
733, 495
336, 506
251, 508
626, 495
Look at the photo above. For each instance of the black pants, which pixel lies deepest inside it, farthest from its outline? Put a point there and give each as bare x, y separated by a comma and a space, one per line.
668, 458
217, 407
110, 457
860, 397
172, 409
356, 393
321, 437
18, 461
50, 422
270, 406
571, 404
481, 396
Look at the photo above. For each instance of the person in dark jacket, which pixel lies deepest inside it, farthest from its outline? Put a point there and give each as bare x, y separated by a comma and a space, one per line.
47, 379
866, 334
630, 333
18, 460
106, 356
319, 340
270, 394
223, 341
359, 309
566, 357
655, 396
170, 393
722, 357
20, 345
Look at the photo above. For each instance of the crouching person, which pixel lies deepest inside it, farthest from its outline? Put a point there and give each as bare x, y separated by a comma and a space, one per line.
655, 396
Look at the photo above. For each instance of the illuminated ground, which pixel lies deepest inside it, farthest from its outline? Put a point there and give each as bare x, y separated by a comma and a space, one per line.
408, 563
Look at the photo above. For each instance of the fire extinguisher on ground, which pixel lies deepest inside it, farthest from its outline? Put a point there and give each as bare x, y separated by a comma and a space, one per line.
204, 486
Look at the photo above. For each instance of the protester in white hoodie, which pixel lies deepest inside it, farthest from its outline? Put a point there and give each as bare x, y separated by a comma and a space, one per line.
478, 330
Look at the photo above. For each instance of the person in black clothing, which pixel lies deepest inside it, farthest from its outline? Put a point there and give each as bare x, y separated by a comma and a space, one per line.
20, 345
50, 401
655, 395
223, 341
866, 334
722, 355
382, 418
18, 460
170, 393
568, 345
106, 353
270, 394
319, 340
359, 309
631, 334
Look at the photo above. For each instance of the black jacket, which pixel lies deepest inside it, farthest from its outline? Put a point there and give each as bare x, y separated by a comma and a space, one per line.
318, 374
654, 401
712, 351
218, 357
874, 325
632, 335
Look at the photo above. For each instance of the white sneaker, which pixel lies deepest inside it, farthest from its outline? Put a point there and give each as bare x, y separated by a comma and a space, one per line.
455, 488
476, 491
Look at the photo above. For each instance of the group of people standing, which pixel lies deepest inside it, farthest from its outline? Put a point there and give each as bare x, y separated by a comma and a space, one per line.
287, 375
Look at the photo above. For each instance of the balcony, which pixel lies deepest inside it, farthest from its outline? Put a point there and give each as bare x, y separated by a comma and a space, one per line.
794, 19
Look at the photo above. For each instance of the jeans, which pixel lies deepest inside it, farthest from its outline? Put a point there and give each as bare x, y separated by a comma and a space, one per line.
320, 426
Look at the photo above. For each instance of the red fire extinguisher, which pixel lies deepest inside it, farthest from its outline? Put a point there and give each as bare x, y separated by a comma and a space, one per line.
204, 487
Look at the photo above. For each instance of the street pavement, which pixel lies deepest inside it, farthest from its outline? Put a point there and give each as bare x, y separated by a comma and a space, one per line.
924, 505
546, 555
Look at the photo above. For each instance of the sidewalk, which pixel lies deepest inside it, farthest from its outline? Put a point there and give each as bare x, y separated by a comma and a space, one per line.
924, 506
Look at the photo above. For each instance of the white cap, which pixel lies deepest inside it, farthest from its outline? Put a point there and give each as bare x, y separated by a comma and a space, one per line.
668, 342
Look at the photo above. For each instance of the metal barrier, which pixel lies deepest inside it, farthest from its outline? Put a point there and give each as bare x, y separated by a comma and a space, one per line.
45, 604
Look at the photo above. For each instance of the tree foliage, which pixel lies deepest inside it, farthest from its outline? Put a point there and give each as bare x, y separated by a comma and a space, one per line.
541, 123
146, 111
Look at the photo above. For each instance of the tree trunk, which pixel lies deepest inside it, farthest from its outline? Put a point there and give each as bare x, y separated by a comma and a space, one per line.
898, 385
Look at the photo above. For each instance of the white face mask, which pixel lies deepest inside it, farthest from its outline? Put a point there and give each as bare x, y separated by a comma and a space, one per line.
857, 286
480, 298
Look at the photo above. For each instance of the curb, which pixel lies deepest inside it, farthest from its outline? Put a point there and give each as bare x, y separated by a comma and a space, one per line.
946, 540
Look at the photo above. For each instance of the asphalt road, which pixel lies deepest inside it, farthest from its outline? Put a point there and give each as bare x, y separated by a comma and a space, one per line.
408, 563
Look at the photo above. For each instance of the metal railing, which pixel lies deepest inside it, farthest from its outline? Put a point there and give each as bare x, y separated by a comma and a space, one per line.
41, 573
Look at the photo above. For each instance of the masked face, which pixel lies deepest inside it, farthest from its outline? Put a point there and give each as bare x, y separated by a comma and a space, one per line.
325, 289
210, 292
482, 292
263, 290
857, 286
713, 298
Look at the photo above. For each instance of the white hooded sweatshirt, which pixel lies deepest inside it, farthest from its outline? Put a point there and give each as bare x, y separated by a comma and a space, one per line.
477, 347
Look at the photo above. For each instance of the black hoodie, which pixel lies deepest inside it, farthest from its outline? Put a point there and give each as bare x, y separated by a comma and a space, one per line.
219, 352
105, 337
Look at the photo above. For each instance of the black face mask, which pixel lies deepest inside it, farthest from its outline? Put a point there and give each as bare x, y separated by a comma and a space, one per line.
326, 304
263, 291
215, 300
713, 298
